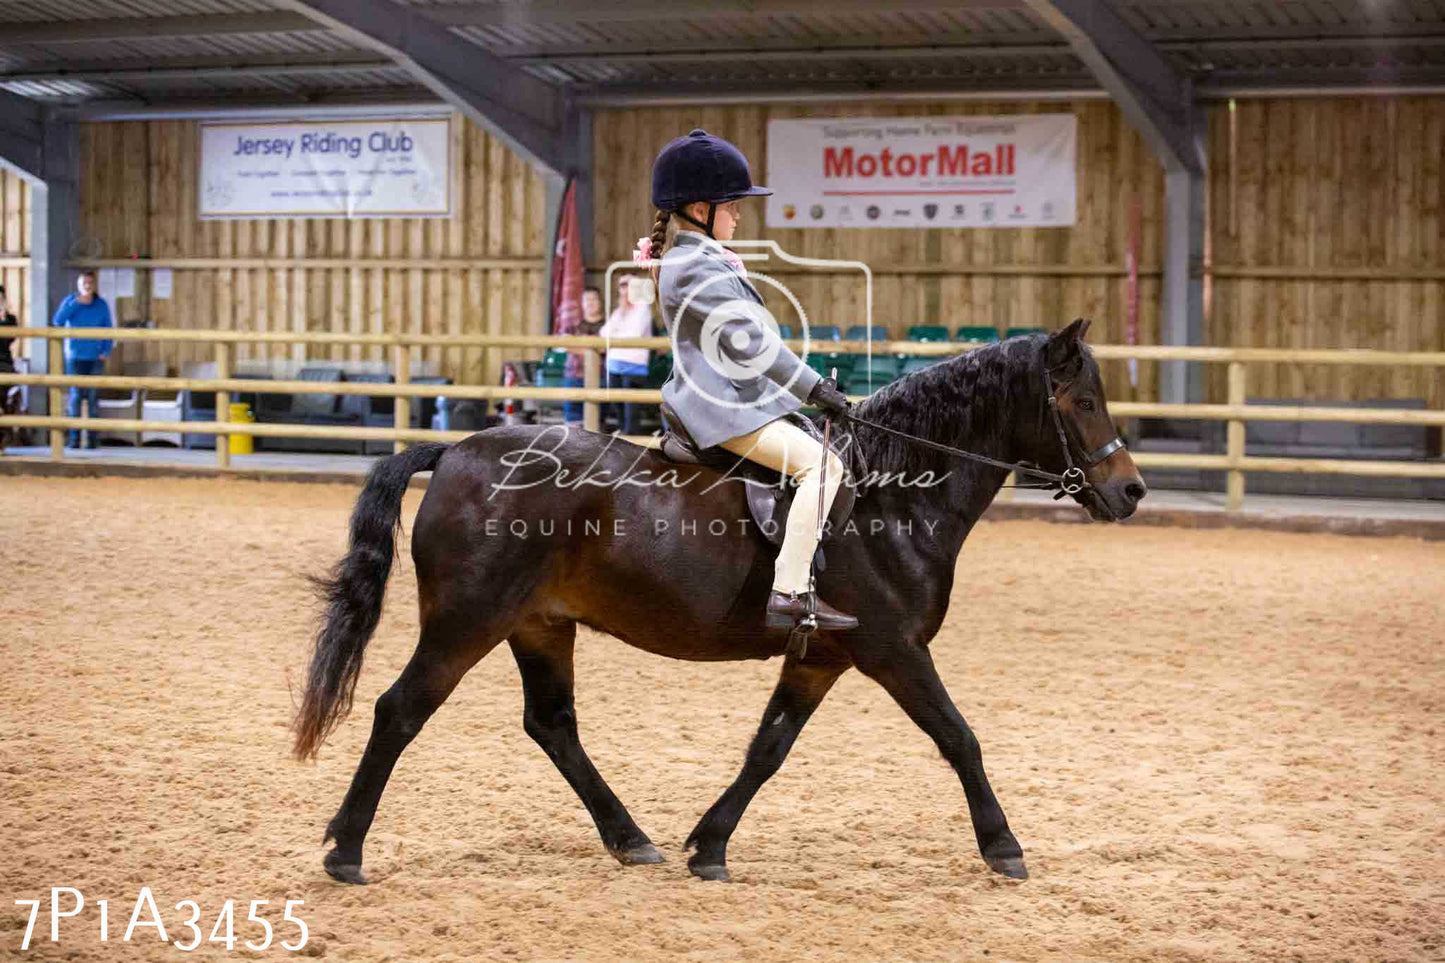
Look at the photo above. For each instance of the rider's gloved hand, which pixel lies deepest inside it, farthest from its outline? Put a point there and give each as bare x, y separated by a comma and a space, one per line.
826, 396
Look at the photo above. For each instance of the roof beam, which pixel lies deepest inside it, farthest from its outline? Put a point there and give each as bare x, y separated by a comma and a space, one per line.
642, 11
1323, 78
933, 51
1155, 98
527, 113
119, 71
124, 28
1340, 31
1341, 42
359, 103
22, 135
1032, 89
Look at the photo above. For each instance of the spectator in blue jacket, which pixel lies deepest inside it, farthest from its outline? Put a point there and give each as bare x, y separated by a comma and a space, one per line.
83, 356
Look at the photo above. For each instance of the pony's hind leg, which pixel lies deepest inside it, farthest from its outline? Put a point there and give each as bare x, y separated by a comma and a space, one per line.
544, 657
445, 653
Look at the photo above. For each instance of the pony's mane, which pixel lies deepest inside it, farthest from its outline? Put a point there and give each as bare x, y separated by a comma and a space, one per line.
967, 402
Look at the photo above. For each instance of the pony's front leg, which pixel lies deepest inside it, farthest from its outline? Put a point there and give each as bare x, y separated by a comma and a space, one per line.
907, 672
800, 689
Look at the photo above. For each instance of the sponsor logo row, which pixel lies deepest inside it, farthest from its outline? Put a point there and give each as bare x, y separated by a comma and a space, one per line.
987, 211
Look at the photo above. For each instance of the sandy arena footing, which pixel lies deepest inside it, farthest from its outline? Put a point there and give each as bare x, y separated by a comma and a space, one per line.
1214, 746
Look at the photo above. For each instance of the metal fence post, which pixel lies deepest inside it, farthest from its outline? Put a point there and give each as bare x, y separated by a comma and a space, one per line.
1234, 446
223, 404
401, 418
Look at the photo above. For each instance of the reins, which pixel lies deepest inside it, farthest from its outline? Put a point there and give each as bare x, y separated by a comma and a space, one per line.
1071, 482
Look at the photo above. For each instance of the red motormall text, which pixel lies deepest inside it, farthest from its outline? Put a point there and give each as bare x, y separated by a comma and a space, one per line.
956, 161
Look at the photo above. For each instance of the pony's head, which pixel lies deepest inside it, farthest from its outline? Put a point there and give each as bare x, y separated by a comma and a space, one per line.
1071, 377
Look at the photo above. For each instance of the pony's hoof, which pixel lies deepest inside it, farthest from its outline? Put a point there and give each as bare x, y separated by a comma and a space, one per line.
711, 872
1011, 866
343, 872
638, 855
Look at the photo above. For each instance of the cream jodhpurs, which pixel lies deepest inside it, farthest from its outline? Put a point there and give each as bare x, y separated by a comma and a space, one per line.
787, 448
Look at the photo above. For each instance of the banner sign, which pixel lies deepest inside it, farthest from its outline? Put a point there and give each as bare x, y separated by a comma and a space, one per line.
1012, 171
347, 168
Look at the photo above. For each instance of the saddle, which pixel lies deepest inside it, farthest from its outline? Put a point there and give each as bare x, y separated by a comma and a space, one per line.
769, 500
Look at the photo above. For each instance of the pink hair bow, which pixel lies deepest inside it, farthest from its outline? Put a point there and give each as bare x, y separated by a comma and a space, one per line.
643, 253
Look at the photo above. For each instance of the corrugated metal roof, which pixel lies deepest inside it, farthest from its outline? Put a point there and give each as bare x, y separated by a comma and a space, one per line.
50, 11
99, 49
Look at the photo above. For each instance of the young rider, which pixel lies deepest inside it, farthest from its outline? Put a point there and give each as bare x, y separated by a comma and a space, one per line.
733, 380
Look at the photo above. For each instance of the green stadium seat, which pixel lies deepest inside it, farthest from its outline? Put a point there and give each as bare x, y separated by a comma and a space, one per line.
860, 385
928, 332
555, 359
860, 332
884, 366
1023, 332
911, 365
825, 362
659, 369
871, 373
976, 333
549, 378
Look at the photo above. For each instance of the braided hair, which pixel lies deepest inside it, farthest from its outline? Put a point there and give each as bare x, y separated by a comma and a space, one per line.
659, 242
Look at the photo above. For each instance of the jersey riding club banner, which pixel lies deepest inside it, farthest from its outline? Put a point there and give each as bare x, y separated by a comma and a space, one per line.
347, 168
1012, 171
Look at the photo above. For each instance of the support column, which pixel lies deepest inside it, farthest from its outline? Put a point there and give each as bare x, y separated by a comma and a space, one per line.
54, 222
1159, 102
1183, 295
577, 151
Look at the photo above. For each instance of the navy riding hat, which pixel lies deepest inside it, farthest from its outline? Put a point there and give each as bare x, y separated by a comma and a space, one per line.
701, 167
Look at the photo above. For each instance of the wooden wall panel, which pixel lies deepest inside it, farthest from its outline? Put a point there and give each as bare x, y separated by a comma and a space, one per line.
1338, 203
138, 196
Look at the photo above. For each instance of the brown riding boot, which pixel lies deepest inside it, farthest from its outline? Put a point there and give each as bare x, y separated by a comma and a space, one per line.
787, 609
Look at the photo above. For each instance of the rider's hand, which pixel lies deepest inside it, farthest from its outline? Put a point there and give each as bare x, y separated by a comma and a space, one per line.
828, 398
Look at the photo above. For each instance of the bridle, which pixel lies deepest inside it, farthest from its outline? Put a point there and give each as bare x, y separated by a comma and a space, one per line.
1072, 481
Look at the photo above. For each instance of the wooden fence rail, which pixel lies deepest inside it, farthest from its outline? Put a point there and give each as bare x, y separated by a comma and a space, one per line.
1236, 413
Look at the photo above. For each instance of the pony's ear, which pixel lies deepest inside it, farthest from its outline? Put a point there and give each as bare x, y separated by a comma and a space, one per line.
1066, 347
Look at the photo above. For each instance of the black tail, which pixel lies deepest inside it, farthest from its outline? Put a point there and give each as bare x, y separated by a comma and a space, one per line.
353, 595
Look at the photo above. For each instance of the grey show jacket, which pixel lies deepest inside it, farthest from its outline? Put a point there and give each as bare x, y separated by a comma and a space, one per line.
730, 373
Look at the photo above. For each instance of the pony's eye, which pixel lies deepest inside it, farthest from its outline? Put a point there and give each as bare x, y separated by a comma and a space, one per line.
1086, 404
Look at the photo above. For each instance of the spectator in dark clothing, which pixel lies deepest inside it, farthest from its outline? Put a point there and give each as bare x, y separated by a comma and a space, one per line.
83, 356
9, 394
572, 375
7, 356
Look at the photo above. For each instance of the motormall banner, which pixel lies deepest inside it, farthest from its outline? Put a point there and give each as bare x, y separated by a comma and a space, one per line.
347, 168
1011, 171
